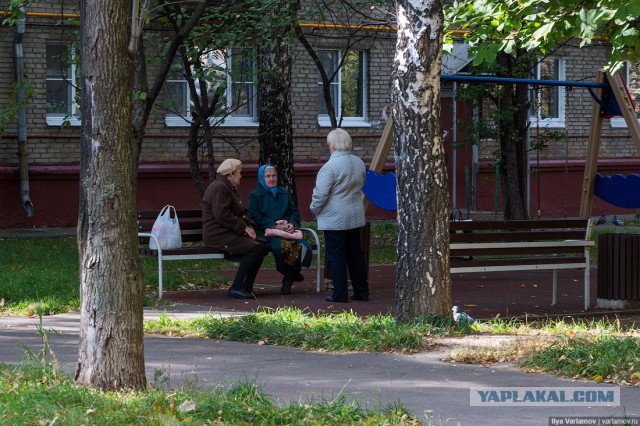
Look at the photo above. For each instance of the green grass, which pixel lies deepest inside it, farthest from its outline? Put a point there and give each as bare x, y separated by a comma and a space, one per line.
36, 395
39, 273
600, 357
292, 327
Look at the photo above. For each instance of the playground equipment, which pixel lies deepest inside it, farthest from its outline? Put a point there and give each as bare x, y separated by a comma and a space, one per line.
604, 107
617, 190
611, 97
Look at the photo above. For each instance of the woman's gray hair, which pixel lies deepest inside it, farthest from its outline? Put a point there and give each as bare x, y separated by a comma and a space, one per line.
339, 140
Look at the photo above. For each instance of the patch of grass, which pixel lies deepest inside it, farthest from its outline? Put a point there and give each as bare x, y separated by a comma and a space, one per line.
331, 332
41, 274
34, 396
500, 351
38, 273
556, 326
600, 349
601, 357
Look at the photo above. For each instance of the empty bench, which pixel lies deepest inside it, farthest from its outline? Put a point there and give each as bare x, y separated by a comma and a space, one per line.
192, 246
519, 245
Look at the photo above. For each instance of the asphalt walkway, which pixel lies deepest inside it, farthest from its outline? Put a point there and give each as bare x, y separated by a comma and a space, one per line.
434, 390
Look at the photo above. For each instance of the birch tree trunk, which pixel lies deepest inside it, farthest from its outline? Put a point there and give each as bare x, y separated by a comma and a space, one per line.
423, 284
111, 351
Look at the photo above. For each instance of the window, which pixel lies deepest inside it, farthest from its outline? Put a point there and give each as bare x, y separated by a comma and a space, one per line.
233, 69
178, 99
63, 93
348, 88
241, 96
548, 102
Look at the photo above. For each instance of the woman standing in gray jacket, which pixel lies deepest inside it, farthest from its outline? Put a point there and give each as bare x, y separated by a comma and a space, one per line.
338, 206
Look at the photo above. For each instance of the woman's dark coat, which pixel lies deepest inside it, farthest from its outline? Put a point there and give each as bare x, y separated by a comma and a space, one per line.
265, 209
224, 220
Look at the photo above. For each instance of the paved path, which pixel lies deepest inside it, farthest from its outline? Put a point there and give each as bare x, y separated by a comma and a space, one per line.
430, 388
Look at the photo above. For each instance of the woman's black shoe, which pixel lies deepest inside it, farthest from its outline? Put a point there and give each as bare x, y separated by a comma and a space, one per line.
335, 299
362, 298
240, 294
286, 286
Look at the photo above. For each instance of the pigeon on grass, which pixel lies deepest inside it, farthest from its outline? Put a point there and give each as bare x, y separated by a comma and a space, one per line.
616, 221
459, 316
601, 220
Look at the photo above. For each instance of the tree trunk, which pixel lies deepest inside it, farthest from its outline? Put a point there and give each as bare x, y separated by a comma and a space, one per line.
275, 132
423, 283
514, 105
111, 350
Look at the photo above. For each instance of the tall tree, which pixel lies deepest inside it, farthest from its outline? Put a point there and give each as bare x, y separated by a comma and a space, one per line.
111, 352
275, 131
423, 283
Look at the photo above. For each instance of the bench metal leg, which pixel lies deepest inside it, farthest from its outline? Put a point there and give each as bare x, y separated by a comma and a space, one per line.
587, 287
317, 239
150, 235
555, 287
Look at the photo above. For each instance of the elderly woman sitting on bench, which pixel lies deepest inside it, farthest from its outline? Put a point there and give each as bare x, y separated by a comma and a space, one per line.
226, 227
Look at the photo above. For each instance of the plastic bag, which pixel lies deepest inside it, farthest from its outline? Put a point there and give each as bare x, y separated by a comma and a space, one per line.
166, 229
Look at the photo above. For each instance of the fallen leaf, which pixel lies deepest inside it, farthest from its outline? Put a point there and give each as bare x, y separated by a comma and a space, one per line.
187, 406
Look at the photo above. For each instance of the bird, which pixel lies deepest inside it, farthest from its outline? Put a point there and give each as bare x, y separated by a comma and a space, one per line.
459, 316
602, 220
616, 221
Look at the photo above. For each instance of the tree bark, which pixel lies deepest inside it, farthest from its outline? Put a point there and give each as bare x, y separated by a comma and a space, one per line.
275, 131
111, 350
514, 107
423, 283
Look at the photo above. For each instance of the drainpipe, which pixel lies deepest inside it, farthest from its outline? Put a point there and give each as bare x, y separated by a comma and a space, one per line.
22, 115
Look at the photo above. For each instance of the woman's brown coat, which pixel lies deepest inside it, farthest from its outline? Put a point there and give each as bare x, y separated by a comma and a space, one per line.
224, 220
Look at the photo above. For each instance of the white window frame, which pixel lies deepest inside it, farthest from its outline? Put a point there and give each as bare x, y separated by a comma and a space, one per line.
619, 122
172, 118
363, 121
232, 120
58, 119
554, 122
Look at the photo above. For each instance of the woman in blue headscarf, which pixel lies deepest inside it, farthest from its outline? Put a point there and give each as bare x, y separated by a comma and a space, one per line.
272, 207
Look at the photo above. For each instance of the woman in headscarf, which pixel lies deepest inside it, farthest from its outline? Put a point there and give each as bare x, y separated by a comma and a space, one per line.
276, 216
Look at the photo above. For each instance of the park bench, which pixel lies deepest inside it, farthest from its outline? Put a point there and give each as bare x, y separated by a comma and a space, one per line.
518, 245
192, 245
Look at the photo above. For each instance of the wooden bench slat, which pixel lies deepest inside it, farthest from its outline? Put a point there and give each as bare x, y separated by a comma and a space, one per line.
485, 246
518, 224
516, 236
458, 263
507, 251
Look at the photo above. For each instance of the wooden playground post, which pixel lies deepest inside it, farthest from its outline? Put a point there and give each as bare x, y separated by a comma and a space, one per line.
628, 112
593, 147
